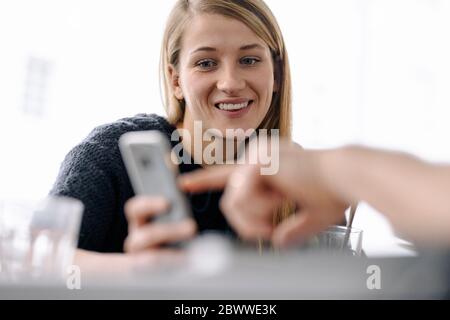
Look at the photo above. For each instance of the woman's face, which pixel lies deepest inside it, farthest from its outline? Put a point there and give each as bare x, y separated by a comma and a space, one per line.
225, 74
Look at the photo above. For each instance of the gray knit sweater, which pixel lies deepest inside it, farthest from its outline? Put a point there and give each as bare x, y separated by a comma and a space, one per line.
93, 172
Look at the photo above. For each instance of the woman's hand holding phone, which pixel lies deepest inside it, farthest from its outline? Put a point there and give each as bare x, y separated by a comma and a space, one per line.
159, 216
145, 232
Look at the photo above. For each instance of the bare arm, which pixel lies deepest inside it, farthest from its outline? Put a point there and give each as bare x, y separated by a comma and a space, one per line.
414, 195
110, 264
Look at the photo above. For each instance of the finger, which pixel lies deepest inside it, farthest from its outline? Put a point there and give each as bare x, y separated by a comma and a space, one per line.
246, 225
297, 229
140, 208
251, 230
156, 234
213, 178
246, 193
255, 213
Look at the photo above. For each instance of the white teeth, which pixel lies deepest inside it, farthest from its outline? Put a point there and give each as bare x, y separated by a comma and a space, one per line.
229, 106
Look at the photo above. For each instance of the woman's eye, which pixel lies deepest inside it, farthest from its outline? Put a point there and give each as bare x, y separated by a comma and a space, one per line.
249, 61
206, 64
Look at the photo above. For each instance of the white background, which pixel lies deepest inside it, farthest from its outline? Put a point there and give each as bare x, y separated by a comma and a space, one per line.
374, 72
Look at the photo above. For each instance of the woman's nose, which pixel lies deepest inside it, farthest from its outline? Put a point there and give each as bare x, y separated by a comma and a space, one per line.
230, 81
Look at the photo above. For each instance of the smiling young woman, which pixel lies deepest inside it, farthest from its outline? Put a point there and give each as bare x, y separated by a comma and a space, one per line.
230, 39
224, 64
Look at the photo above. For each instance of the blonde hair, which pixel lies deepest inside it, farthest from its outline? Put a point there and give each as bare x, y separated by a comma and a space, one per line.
259, 18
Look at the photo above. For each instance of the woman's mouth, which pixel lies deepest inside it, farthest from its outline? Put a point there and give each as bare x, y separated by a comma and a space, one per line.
234, 109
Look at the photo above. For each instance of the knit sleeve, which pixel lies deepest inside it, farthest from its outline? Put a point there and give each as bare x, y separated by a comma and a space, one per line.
85, 175
94, 173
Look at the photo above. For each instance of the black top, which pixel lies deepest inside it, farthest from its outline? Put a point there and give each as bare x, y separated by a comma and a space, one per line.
94, 173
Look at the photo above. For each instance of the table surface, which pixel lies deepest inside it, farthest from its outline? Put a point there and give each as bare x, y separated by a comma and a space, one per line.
247, 275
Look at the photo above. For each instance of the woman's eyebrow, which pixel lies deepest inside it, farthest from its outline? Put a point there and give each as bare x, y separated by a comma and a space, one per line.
246, 47
203, 49
251, 46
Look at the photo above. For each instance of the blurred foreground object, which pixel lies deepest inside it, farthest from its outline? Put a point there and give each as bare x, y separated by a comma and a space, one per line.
38, 240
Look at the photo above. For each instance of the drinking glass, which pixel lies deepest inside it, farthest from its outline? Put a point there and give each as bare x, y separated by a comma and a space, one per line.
38, 239
333, 239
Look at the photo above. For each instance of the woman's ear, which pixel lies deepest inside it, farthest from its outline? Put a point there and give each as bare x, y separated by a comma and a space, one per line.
175, 82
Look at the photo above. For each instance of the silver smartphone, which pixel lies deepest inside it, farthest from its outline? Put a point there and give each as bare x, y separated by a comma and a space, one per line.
146, 155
